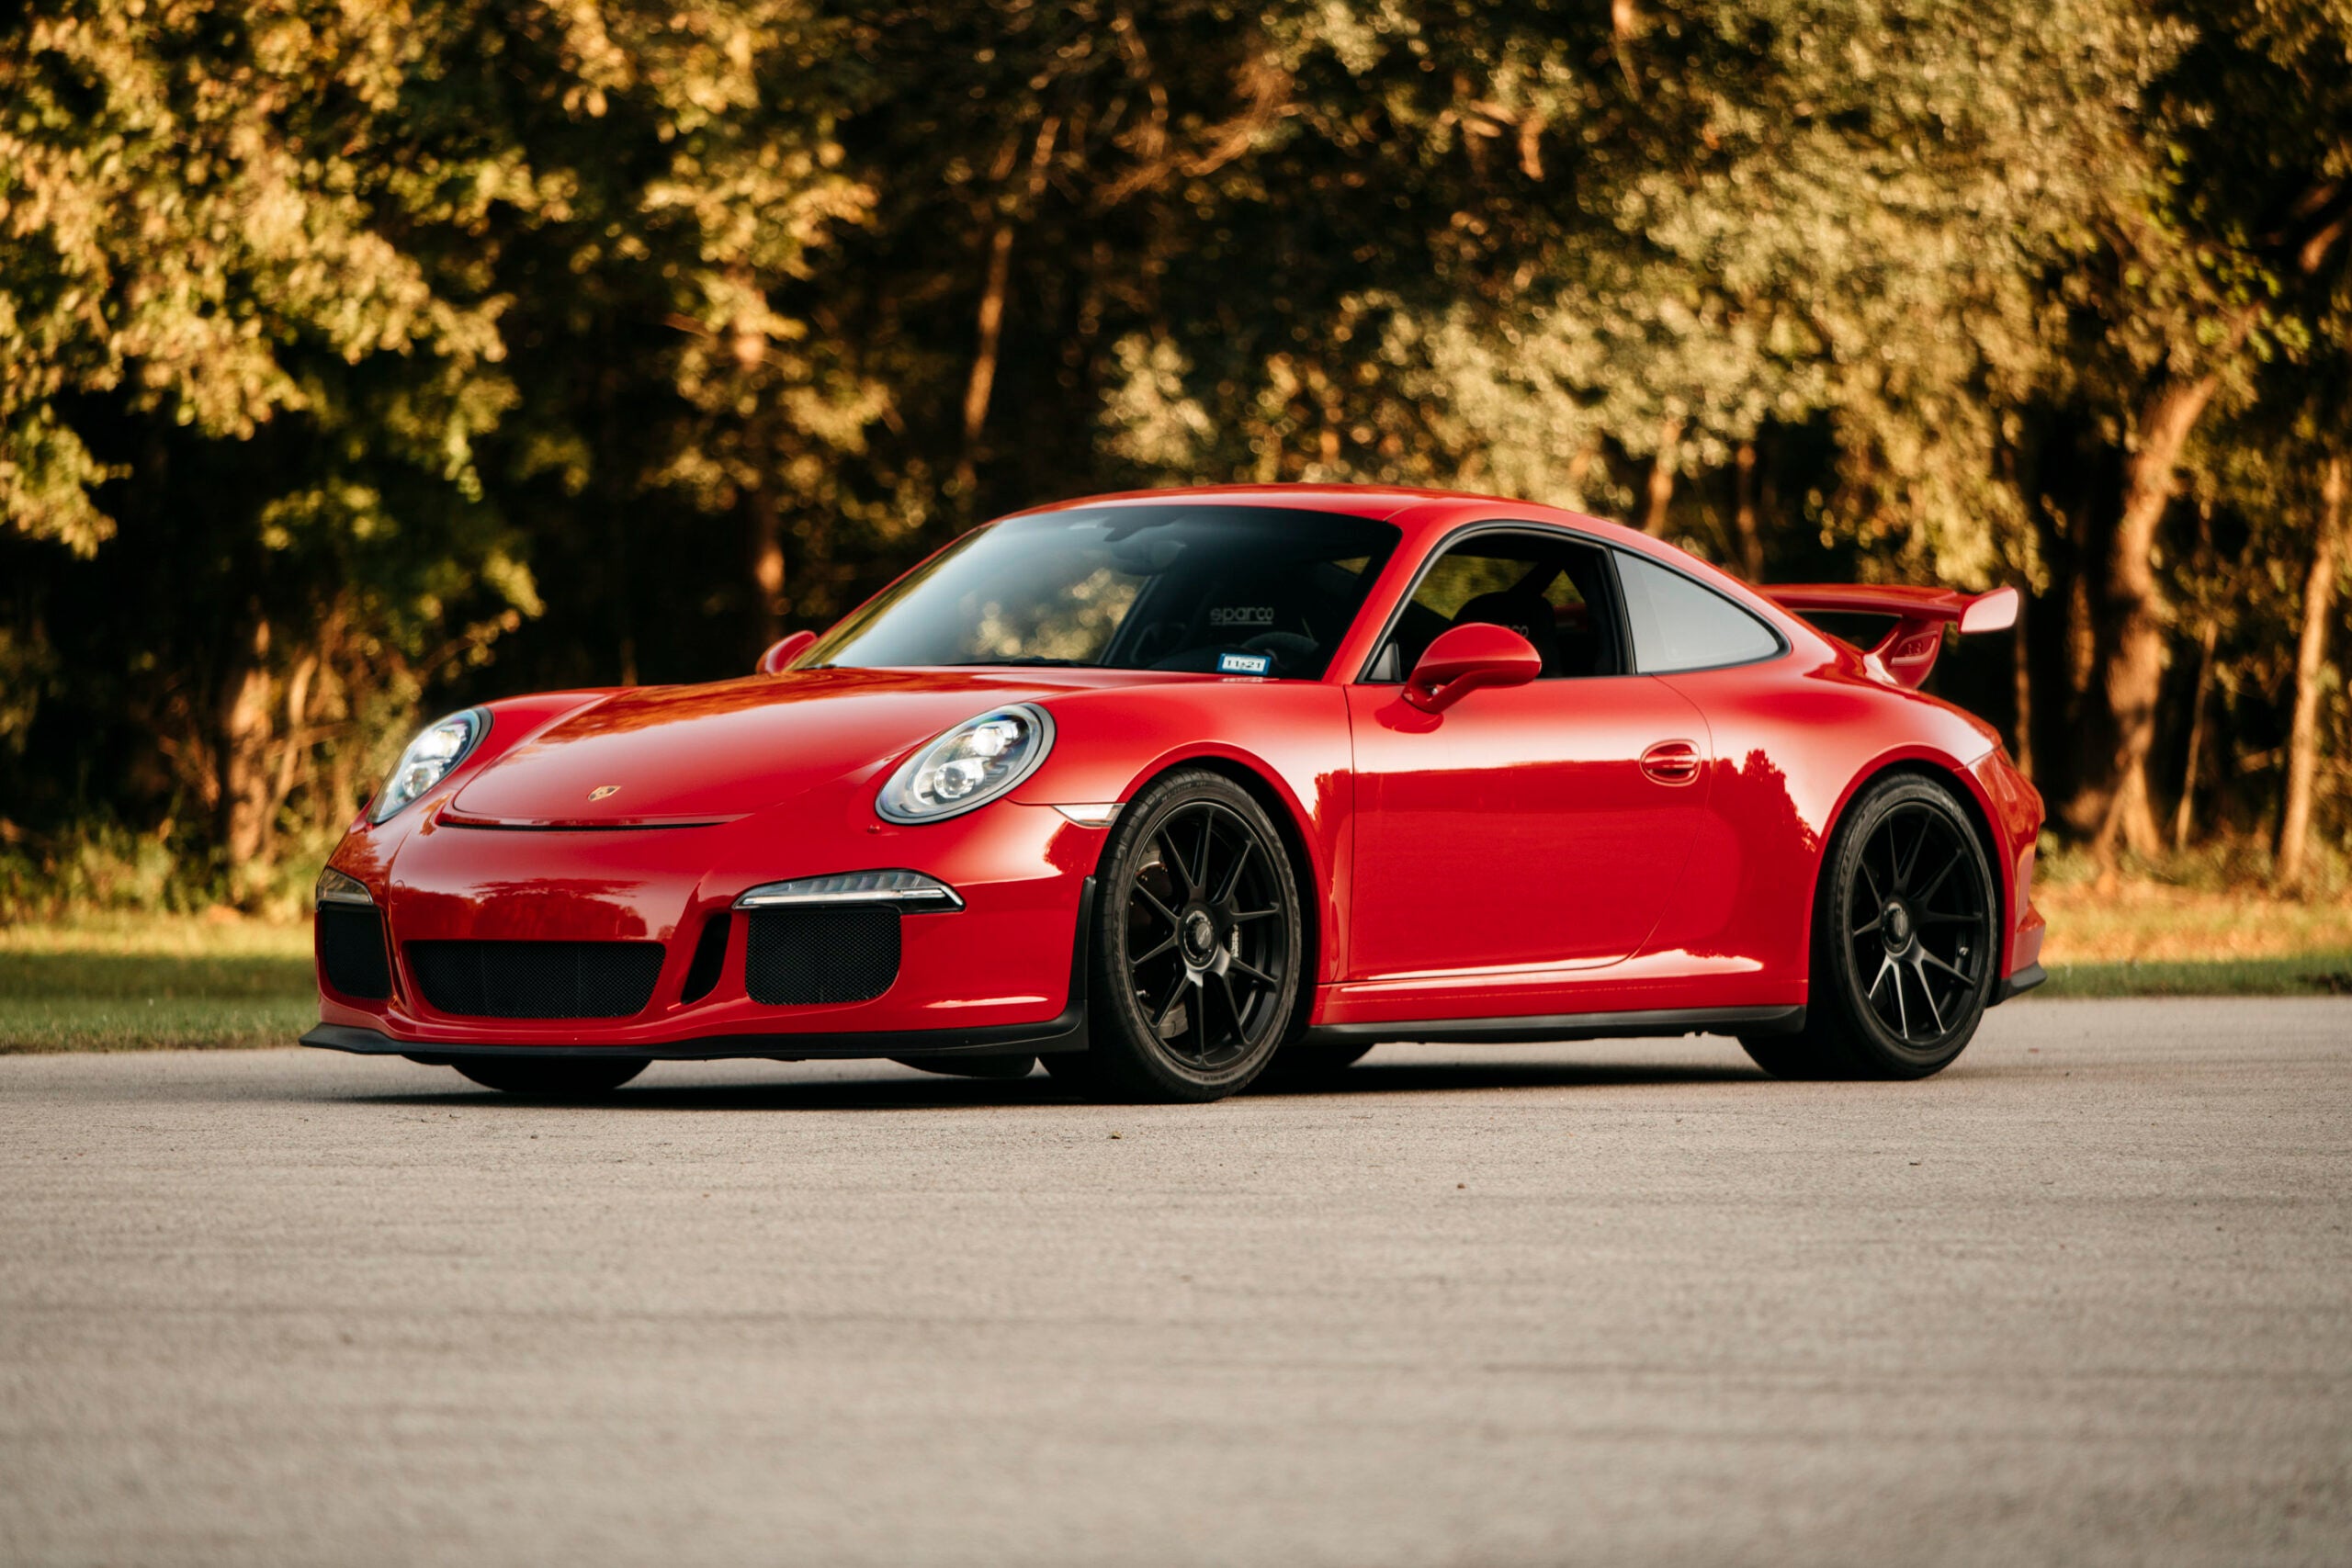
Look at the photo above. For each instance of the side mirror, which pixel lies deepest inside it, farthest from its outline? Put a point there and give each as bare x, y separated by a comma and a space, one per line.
1465, 658
774, 661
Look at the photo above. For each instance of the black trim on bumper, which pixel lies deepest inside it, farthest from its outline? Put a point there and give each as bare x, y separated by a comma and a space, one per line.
1571, 1026
1066, 1032
2016, 985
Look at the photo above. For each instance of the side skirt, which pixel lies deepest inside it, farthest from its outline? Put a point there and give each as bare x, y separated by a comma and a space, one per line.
1063, 1033
2016, 985
1648, 1023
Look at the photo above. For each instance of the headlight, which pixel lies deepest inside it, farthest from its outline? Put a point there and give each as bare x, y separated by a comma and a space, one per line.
428, 759
968, 766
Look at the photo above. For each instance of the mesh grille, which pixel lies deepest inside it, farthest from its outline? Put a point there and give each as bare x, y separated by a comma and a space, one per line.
537, 979
795, 957
351, 952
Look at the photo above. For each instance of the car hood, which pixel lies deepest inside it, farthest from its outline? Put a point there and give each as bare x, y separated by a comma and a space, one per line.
668, 754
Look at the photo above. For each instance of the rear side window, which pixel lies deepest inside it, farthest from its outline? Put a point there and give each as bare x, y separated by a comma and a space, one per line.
1677, 625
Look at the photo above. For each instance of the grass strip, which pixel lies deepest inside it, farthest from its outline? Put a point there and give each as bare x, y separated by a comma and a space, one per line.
2303, 974
73, 1000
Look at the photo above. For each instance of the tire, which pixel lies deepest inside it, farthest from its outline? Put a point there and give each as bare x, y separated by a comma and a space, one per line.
1304, 1067
1198, 948
556, 1077
1905, 942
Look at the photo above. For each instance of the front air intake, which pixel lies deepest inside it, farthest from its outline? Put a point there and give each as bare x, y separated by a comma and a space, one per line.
351, 952
536, 979
801, 957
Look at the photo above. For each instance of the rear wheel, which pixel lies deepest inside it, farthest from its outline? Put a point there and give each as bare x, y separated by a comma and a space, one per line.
1904, 941
1197, 945
555, 1077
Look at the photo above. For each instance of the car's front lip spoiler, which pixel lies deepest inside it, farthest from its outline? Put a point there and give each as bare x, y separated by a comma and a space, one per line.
1067, 1033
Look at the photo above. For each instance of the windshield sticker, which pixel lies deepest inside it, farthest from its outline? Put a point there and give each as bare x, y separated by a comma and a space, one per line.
1242, 615
1244, 664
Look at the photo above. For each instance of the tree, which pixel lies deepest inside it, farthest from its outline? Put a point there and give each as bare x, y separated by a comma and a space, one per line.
269, 264
2222, 236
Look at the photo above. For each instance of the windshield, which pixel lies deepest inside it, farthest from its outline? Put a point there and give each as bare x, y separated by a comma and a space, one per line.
1236, 589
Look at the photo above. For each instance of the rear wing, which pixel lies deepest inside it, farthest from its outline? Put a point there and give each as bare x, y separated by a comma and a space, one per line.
1906, 653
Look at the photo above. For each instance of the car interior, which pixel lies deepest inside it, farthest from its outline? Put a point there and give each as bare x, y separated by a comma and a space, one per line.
1557, 593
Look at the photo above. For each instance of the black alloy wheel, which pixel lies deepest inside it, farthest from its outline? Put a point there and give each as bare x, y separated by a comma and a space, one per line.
1198, 944
1905, 942
552, 1077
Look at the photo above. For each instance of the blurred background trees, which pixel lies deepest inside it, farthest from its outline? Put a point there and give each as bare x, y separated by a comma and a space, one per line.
360, 362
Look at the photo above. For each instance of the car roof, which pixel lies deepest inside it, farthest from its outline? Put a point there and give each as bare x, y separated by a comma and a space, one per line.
1418, 513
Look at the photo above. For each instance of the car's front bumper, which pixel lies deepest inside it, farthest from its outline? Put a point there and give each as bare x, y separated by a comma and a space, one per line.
1001, 974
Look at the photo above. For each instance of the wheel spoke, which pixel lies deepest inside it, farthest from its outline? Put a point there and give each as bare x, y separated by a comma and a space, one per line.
1878, 899
1959, 974
1927, 894
1230, 884
1165, 943
1246, 967
1865, 931
1929, 992
1167, 1008
1162, 910
1241, 1029
1942, 917
1198, 875
1908, 864
1174, 862
1902, 1008
1239, 917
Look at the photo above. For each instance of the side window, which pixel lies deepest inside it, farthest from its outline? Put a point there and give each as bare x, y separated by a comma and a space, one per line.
1677, 625
1551, 590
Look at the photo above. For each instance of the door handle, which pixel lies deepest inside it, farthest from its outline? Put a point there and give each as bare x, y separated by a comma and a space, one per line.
1671, 762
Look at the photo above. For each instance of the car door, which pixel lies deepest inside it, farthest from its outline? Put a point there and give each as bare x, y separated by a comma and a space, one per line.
1542, 826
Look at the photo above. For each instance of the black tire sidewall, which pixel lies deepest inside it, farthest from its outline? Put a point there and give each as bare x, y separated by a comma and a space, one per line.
1124, 1056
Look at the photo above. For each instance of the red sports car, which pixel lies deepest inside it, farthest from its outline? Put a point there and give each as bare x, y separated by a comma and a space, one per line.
1171, 788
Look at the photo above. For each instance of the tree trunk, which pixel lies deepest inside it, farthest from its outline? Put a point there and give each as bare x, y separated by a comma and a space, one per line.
1743, 512
2303, 743
1661, 493
2129, 632
245, 751
2182, 817
289, 754
981, 385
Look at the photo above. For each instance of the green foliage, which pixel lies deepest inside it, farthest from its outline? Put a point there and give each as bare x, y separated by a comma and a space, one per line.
357, 362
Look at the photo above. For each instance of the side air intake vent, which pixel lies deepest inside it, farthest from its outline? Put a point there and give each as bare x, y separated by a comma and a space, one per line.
799, 957
710, 957
351, 952
537, 979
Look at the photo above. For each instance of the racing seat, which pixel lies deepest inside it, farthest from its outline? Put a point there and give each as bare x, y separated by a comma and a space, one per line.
1529, 615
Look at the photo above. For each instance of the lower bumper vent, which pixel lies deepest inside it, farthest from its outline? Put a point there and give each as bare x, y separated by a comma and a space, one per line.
351, 952
797, 957
536, 979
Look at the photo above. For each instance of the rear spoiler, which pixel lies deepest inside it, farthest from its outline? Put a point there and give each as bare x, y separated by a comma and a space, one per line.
1906, 654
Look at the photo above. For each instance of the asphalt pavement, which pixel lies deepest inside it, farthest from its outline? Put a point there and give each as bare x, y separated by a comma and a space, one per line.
2086, 1298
